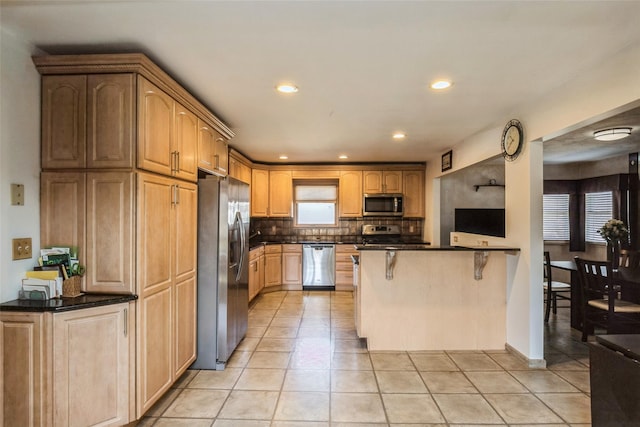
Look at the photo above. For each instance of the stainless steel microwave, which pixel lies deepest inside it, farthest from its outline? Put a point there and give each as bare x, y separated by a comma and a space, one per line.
382, 204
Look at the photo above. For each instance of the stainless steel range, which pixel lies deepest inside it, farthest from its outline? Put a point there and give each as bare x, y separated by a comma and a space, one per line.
381, 234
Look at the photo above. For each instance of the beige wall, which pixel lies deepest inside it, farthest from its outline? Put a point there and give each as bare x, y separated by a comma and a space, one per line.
601, 89
19, 157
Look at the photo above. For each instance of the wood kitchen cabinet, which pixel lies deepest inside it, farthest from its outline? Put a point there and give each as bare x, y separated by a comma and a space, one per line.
413, 194
166, 271
382, 181
350, 194
280, 193
63, 209
135, 224
67, 368
256, 271
344, 267
239, 170
272, 265
87, 121
292, 267
212, 150
25, 373
259, 193
167, 134
271, 193
109, 255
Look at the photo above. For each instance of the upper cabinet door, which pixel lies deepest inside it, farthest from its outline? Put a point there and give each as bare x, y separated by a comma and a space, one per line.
280, 193
155, 128
110, 110
414, 194
392, 182
64, 115
186, 144
259, 193
206, 141
382, 182
350, 192
220, 155
372, 182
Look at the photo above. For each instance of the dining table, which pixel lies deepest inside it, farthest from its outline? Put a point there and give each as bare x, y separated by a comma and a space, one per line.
576, 293
628, 279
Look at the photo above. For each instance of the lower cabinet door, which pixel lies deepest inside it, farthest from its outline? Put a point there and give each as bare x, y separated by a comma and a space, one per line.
91, 366
23, 375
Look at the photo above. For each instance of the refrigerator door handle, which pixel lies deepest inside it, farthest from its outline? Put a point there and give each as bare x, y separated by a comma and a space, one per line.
238, 222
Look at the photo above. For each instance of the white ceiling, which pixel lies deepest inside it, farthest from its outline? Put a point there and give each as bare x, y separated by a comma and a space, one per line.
363, 67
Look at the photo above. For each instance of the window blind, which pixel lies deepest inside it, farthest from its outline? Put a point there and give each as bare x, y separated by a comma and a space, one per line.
555, 217
315, 204
598, 210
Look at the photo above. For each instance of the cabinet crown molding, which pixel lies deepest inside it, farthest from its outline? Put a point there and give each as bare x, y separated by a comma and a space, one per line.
128, 63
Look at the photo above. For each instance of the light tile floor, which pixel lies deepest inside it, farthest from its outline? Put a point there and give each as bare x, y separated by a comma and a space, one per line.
301, 364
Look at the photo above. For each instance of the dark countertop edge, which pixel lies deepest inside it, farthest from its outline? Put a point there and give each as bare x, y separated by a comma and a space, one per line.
414, 247
59, 305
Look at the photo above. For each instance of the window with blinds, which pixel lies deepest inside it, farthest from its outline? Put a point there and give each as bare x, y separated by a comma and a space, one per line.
555, 217
316, 204
598, 210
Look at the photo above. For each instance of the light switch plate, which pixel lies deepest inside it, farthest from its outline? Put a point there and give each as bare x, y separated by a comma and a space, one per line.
21, 248
17, 195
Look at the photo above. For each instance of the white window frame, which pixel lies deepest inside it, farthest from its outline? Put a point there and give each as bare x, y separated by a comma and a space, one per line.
555, 218
316, 183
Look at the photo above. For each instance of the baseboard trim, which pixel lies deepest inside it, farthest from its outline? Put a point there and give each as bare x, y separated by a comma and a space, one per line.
532, 363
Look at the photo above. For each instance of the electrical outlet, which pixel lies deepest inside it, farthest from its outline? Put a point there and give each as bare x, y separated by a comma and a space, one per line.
17, 195
22, 248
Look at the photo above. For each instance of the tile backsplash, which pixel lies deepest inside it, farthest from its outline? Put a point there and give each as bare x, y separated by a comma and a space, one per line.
348, 230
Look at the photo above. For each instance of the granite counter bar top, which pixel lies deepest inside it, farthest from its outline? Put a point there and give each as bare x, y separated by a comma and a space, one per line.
65, 304
427, 247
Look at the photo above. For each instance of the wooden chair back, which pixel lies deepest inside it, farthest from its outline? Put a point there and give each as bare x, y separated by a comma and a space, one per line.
629, 259
594, 283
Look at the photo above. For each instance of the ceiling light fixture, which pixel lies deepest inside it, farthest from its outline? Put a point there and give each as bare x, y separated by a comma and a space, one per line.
441, 84
612, 134
287, 88
284, 157
399, 135
343, 156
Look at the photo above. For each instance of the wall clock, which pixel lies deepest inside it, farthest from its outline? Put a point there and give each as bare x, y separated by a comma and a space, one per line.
512, 140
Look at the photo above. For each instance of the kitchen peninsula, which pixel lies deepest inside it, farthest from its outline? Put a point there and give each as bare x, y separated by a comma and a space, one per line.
421, 297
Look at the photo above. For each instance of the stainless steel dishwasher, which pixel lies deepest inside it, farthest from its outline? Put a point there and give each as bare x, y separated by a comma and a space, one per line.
318, 266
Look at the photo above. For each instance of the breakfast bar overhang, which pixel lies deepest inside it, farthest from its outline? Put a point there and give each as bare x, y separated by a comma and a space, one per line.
420, 297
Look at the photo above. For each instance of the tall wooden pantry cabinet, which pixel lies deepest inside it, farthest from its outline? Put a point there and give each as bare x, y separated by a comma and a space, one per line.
120, 157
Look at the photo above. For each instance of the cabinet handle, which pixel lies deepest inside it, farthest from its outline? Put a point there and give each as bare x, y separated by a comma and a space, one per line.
216, 164
177, 162
176, 195
126, 321
173, 162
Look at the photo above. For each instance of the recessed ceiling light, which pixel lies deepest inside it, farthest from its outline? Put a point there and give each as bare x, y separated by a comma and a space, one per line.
343, 156
612, 134
441, 84
399, 135
284, 157
287, 88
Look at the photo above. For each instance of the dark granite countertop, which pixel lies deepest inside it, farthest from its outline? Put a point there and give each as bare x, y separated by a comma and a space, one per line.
428, 247
629, 345
65, 304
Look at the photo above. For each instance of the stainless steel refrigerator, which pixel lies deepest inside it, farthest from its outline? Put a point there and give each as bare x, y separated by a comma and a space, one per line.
223, 273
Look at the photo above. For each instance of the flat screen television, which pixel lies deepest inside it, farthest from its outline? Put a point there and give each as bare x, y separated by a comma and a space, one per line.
489, 222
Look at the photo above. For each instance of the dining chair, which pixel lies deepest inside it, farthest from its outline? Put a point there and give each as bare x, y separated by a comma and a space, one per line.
601, 302
553, 289
629, 259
